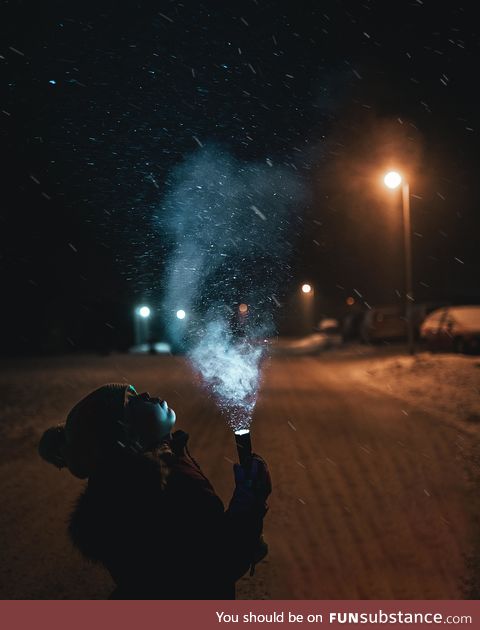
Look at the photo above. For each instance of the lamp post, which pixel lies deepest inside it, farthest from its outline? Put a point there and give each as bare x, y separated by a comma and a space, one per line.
307, 306
393, 180
142, 327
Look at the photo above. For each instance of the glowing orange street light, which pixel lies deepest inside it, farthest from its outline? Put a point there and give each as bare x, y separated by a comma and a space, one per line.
243, 309
307, 288
393, 180
307, 306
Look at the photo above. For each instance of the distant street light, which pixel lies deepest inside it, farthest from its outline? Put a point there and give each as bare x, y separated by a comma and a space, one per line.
181, 314
141, 323
393, 180
307, 307
144, 311
243, 309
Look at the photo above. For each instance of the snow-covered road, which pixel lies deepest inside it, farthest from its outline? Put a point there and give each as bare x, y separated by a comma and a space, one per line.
371, 499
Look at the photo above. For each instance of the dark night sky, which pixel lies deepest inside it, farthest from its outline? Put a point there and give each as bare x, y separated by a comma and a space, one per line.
103, 99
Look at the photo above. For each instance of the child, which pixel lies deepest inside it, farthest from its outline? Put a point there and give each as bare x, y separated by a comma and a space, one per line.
148, 513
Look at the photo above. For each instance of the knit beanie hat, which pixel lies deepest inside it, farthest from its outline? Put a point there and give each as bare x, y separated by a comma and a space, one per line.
99, 415
98, 423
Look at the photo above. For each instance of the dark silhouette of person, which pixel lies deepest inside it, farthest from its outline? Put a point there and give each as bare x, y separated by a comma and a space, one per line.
148, 513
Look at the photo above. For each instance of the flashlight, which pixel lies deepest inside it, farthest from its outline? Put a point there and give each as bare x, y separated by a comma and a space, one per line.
244, 449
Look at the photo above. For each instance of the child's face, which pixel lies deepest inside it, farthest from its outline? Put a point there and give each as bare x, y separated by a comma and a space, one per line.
151, 418
165, 416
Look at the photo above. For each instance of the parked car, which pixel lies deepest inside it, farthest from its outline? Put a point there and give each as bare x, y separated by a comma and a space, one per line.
453, 328
329, 329
329, 326
383, 323
421, 310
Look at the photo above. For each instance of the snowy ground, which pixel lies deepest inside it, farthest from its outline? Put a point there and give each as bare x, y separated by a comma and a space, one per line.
371, 498
444, 385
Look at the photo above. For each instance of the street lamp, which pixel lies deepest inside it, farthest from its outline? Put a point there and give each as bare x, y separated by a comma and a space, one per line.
144, 312
181, 314
306, 297
393, 180
141, 324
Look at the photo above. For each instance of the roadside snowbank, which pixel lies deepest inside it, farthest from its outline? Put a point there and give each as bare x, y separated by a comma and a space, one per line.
310, 344
444, 385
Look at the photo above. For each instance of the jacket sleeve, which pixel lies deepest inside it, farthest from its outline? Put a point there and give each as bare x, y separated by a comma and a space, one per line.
243, 532
228, 540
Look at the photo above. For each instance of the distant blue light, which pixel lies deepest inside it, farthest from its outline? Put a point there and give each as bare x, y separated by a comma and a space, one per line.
144, 312
52, 82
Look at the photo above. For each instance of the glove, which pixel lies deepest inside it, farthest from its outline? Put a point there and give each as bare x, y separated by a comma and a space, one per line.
253, 488
262, 482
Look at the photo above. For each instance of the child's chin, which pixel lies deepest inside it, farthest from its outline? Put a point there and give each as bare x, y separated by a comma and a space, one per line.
171, 417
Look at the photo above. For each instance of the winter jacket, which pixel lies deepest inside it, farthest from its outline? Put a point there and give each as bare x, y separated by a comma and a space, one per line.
155, 522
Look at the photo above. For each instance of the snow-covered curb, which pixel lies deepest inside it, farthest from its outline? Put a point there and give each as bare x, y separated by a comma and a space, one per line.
444, 385
310, 344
